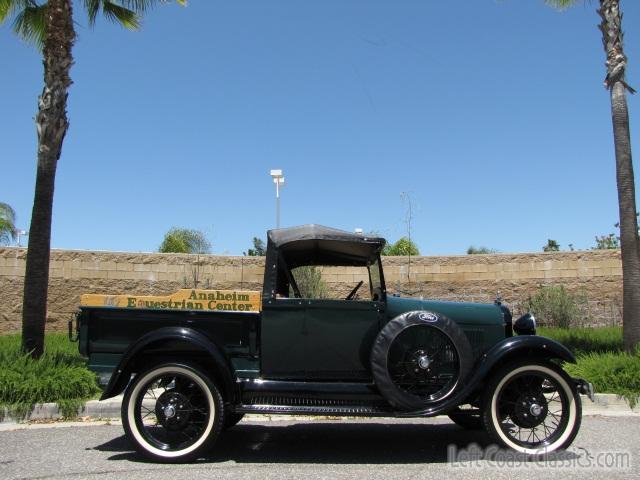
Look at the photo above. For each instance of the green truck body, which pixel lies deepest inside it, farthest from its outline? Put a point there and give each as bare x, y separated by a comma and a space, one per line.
369, 353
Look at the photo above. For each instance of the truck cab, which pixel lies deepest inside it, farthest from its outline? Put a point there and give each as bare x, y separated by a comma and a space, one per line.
309, 334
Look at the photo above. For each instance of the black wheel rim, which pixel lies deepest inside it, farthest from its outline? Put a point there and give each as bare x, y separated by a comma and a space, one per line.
533, 409
172, 411
424, 363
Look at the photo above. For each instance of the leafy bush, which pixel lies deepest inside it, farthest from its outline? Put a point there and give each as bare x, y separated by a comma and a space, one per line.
586, 340
259, 249
59, 376
555, 307
600, 359
310, 282
607, 242
480, 250
402, 248
551, 246
610, 372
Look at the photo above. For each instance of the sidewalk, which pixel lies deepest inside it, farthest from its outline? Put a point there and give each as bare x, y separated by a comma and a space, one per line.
605, 404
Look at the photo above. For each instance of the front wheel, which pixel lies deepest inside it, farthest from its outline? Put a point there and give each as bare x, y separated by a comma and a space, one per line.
532, 408
172, 412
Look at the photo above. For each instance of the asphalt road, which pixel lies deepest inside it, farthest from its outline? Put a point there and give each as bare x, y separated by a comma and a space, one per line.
379, 449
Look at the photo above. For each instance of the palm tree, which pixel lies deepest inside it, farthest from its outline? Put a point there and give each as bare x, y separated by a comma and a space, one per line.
8, 230
50, 26
611, 28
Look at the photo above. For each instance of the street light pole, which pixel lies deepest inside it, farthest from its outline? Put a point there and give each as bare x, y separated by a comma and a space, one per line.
21, 233
278, 179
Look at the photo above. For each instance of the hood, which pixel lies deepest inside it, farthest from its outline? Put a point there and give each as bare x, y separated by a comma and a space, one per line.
464, 314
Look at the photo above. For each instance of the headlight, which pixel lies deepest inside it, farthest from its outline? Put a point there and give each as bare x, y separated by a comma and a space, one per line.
525, 325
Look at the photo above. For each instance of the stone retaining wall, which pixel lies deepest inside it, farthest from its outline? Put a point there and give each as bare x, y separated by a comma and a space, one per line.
598, 274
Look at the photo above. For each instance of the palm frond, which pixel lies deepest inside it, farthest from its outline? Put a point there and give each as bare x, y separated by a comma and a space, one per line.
560, 4
7, 232
7, 223
92, 7
141, 6
119, 14
30, 23
6, 6
9, 7
7, 213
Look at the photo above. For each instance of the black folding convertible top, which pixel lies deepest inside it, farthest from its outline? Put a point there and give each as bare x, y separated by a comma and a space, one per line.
316, 245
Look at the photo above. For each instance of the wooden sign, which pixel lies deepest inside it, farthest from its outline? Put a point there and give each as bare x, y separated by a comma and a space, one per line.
185, 299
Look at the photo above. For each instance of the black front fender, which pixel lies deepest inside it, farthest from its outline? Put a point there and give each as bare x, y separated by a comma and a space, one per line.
522, 346
533, 344
122, 373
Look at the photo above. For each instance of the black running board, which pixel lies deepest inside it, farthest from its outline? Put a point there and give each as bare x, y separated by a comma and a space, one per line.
338, 411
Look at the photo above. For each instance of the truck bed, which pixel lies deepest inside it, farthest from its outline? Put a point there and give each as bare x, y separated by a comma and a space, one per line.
109, 325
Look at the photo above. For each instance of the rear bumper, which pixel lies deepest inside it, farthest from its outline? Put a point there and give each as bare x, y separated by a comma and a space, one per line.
585, 388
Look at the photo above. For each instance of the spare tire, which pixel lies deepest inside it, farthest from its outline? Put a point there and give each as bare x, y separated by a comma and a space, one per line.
419, 358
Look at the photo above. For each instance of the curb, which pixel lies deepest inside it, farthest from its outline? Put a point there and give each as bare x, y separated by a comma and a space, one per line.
606, 404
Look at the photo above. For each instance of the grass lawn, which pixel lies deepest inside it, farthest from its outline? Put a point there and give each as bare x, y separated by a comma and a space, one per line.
600, 359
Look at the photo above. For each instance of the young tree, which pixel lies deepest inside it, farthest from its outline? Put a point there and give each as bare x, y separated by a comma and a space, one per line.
611, 29
184, 240
8, 230
50, 26
607, 242
551, 246
258, 250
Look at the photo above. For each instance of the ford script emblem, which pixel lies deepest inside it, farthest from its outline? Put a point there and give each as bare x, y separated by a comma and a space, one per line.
428, 317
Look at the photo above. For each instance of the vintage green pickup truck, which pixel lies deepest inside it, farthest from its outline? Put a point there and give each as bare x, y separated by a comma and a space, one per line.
192, 364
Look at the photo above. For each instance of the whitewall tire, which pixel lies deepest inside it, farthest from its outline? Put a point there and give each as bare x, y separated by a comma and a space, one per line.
172, 412
532, 407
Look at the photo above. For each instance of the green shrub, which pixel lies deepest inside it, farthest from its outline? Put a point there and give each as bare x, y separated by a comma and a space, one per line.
403, 247
600, 359
59, 376
555, 307
610, 372
480, 250
310, 282
586, 340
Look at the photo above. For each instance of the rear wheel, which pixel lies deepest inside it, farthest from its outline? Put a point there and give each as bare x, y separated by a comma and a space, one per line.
532, 407
172, 412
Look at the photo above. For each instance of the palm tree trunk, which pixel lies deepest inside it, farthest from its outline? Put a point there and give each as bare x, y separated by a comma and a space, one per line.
51, 124
630, 242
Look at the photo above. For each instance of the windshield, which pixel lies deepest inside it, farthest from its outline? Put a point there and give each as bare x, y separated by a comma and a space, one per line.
375, 279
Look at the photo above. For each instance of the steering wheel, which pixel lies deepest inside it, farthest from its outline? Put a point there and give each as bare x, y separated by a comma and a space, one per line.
353, 292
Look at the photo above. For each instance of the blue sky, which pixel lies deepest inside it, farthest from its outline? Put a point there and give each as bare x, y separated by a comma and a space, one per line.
490, 114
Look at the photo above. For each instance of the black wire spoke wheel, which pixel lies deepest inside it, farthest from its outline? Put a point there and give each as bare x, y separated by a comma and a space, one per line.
423, 362
179, 415
171, 412
533, 409
418, 359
